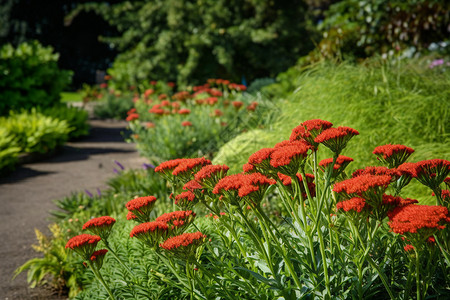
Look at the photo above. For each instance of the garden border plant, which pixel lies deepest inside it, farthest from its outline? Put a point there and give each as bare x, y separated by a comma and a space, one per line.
331, 234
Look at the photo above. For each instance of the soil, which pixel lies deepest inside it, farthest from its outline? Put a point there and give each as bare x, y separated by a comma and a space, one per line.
27, 194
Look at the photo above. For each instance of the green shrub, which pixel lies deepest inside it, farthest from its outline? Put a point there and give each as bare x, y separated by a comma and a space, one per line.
34, 132
30, 77
114, 106
8, 151
76, 118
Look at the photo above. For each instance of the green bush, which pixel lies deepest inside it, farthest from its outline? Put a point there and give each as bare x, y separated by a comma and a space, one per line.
34, 132
30, 77
8, 151
76, 118
113, 106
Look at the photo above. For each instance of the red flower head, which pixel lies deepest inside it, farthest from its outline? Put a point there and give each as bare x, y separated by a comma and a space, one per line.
393, 155
237, 104
309, 130
377, 171
156, 109
248, 168
131, 111
409, 248
217, 113
186, 200
418, 222
177, 221
369, 187
189, 166
162, 97
341, 163
336, 139
211, 100
151, 232
290, 158
432, 172
261, 159
209, 175
229, 187
184, 111
254, 186
97, 258
181, 96
186, 124
252, 106
149, 125
148, 92
83, 244
132, 117
355, 208
166, 168
100, 226
141, 207
184, 245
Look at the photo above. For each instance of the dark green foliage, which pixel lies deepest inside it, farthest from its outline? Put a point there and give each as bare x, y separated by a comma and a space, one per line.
30, 77
192, 41
113, 107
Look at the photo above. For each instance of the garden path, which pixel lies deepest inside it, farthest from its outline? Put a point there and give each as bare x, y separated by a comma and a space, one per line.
26, 197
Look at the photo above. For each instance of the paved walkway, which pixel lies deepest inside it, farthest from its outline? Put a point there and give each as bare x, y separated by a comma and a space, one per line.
26, 197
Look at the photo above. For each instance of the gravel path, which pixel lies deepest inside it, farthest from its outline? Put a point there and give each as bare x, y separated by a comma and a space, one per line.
26, 197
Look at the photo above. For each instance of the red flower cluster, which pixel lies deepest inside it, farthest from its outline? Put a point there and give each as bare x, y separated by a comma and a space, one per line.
309, 130
105, 221
185, 243
361, 184
83, 244
252, 106
132, 117
186, 124
422, 219
340, 161
190, 166
294, 152
192, 186
209, 175
287, 181
336, 139
393, 155
237, 104
140, 208
100, 226
177, 221
356, 204
184, 111
377, 171
169, 166
150, 232
98, 253
185, 200
432, 172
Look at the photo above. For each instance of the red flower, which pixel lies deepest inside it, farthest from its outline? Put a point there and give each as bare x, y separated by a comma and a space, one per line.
184, 111
418, 222
177, 221
309, 130
186, 124
97, 258
369, 187
185, 200
248, 168
218, 113
181, 96
192, 185
288, 159
150, 125
100, 226
211, 100
132, 117
189, 166
162, 96
184, 245
393, 155
287, 181
336, 139
432, 172
150, 232
377, 171
166, 168
141, 207
341, 163
131, 111
83, 244
356, 204
148, 92
252, 106
209, 175
237, 104
409, 247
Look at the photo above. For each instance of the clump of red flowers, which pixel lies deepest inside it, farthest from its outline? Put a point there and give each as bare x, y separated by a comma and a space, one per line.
177, 221
209, 175
97, 258
185, 200
151, 232
287, 181
336, 139
432, 172
339, 166
184, 245
100, 226
309, 130
418, 222
393, 155
186, 124
83, 244
141, 207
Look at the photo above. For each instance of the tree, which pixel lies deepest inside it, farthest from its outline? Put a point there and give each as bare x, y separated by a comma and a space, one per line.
190, 41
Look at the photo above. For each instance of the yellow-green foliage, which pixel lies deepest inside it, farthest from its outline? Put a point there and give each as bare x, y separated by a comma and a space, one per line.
400, 103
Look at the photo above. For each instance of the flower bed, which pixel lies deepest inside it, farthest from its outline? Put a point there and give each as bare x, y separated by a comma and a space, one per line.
289, 226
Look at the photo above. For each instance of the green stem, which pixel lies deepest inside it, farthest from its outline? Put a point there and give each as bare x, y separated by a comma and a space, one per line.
370, 260
118, 259
188, 275
408, 281
417, 261
324, 261
100, 278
